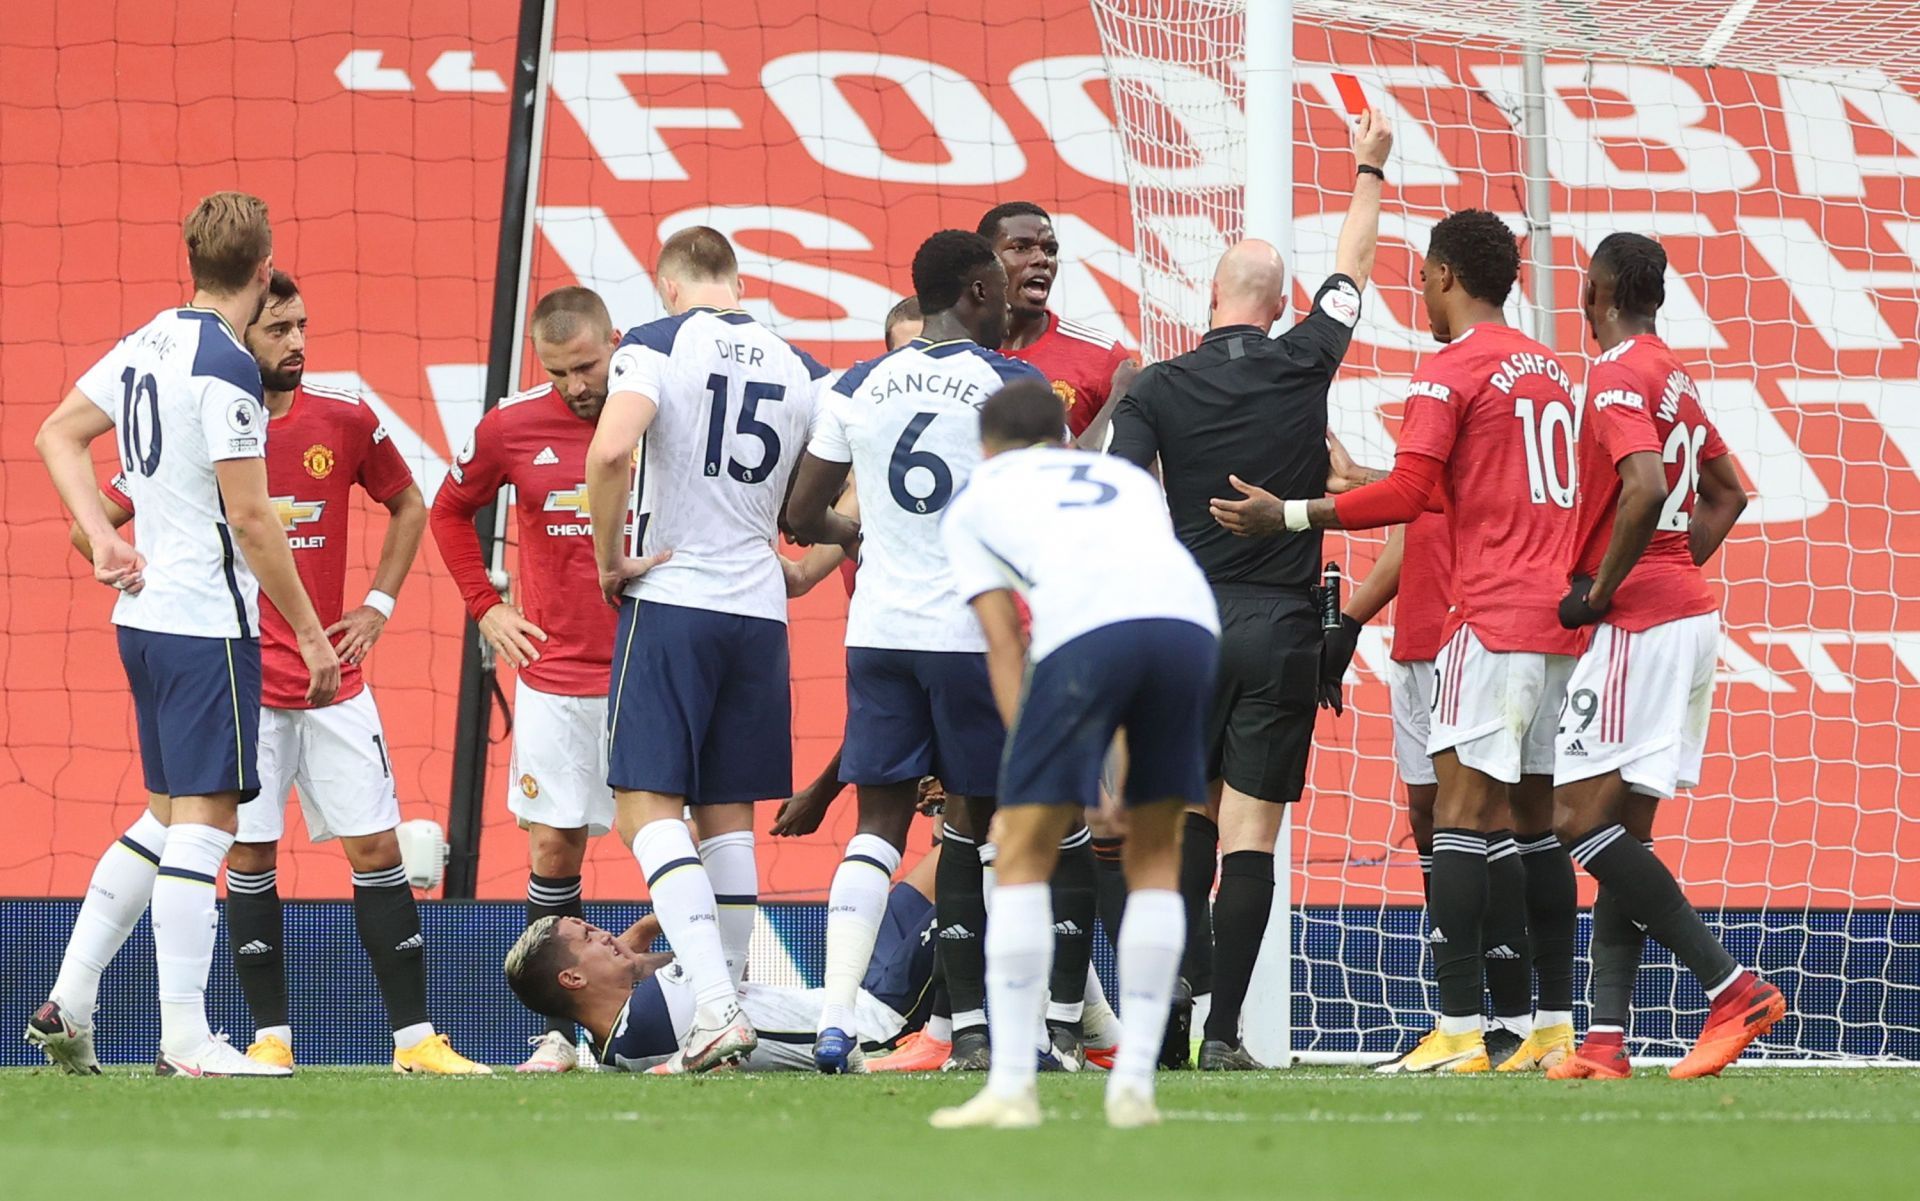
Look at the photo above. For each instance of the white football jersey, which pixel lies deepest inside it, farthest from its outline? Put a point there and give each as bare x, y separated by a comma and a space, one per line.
1084, 538
735, 404
909, 422
183, 394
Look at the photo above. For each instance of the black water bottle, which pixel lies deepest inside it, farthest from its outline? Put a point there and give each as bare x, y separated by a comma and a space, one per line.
1330, 596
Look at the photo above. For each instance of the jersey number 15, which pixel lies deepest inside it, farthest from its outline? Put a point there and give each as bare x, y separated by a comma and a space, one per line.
748, 425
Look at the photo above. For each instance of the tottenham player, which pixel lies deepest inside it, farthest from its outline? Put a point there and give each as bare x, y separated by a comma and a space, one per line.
1125, 636
321, 443
699, 712
639, 1006
184, 399
1658, 494
918, 699
559, 637
1490, 422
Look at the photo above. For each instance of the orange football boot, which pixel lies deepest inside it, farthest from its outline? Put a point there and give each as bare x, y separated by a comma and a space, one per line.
1748, 1009
917, 1052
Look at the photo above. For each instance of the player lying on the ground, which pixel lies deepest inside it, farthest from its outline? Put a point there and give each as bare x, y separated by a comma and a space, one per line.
1658, 494
638, 1005
322, 444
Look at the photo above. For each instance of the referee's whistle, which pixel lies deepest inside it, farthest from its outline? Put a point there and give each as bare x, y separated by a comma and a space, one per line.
1330, 596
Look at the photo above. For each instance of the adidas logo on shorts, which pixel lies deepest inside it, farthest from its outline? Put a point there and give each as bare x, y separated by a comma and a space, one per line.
256, 947
546, 458
1576, 747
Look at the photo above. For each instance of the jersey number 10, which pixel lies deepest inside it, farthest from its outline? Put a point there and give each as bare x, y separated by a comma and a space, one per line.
139, 430
749, 425
1549, 442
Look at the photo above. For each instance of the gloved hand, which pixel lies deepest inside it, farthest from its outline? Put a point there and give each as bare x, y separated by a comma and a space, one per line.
1336, 654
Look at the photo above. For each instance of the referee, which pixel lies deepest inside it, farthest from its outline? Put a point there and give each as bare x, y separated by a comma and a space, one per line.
1246, 407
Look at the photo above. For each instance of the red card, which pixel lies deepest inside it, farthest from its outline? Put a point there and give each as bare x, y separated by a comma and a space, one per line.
1351, 93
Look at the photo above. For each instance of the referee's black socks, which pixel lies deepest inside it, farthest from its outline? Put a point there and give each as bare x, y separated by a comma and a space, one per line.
389, 922
1199, 858
1240, 915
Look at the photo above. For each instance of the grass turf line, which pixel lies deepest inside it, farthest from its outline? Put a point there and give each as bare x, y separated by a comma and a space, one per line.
1307, 1134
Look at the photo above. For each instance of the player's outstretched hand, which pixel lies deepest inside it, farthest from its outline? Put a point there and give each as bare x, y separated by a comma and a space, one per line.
1577, 607
323, 669
356, 632
803, 812
1336, 654
1259, 514
1372, 138
613, 583
511, 635
120, 567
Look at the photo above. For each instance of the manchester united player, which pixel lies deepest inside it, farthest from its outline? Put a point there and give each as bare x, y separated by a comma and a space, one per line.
1088, 369
1658, 494
1490, 422
321, 443
558, 637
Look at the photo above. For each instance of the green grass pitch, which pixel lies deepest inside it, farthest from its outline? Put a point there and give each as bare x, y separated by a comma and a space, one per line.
1304, 1135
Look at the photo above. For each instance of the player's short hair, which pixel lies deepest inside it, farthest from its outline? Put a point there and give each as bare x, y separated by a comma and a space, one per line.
1482, 251
281, 288
534, 965
227, 238
564, 312
943, 266
1021, 414
1637, 265
906, 310
989, 227
698, 252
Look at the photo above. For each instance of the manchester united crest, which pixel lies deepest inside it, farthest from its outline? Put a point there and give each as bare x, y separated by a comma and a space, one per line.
529, 787
1065, 392
318, 461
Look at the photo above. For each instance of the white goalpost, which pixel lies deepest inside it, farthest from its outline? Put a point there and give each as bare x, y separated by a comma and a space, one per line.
1775, 151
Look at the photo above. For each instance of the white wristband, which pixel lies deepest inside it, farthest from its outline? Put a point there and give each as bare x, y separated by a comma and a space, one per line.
1295, 514
379, 601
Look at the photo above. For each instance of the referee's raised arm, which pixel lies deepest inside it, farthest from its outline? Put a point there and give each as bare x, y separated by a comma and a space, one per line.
1246, 411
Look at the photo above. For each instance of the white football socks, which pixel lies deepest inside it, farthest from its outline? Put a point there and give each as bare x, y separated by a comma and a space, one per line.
1153, 934
121, 888
1019, 957
856, 905
683, 898
736, 892
184, 923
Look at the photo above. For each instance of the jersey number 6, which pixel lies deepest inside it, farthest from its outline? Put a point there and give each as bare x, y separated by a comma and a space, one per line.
905, 459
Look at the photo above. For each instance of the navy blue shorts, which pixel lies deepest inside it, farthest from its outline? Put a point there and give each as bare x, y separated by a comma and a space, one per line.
1153, 677
196, 702
698, 705
921, 713
900, 974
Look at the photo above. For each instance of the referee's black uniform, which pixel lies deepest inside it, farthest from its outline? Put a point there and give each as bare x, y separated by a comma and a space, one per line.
1244, 404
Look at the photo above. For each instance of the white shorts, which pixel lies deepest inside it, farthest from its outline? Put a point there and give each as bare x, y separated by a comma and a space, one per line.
558, 773
1410, 685
1639, 704
1497, 711
336, 757
786, 1019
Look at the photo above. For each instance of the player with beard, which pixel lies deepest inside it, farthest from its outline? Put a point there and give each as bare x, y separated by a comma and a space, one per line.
322, 442
558, 637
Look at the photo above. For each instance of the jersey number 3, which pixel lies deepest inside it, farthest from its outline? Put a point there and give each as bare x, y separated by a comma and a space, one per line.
749, 425
139, 423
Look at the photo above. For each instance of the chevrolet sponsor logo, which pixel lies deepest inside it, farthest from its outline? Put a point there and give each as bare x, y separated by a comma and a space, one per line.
294, 513
571, 500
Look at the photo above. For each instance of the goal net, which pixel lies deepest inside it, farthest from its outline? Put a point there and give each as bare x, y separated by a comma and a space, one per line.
1775, 152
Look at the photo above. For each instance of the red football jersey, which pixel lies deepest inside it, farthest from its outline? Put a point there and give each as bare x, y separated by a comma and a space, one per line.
1080, 362
1426, 590
323, 445
1496, 407
533, 441
1639, 398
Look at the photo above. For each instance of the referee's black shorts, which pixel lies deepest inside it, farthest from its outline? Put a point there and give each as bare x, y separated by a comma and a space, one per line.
1263, 710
